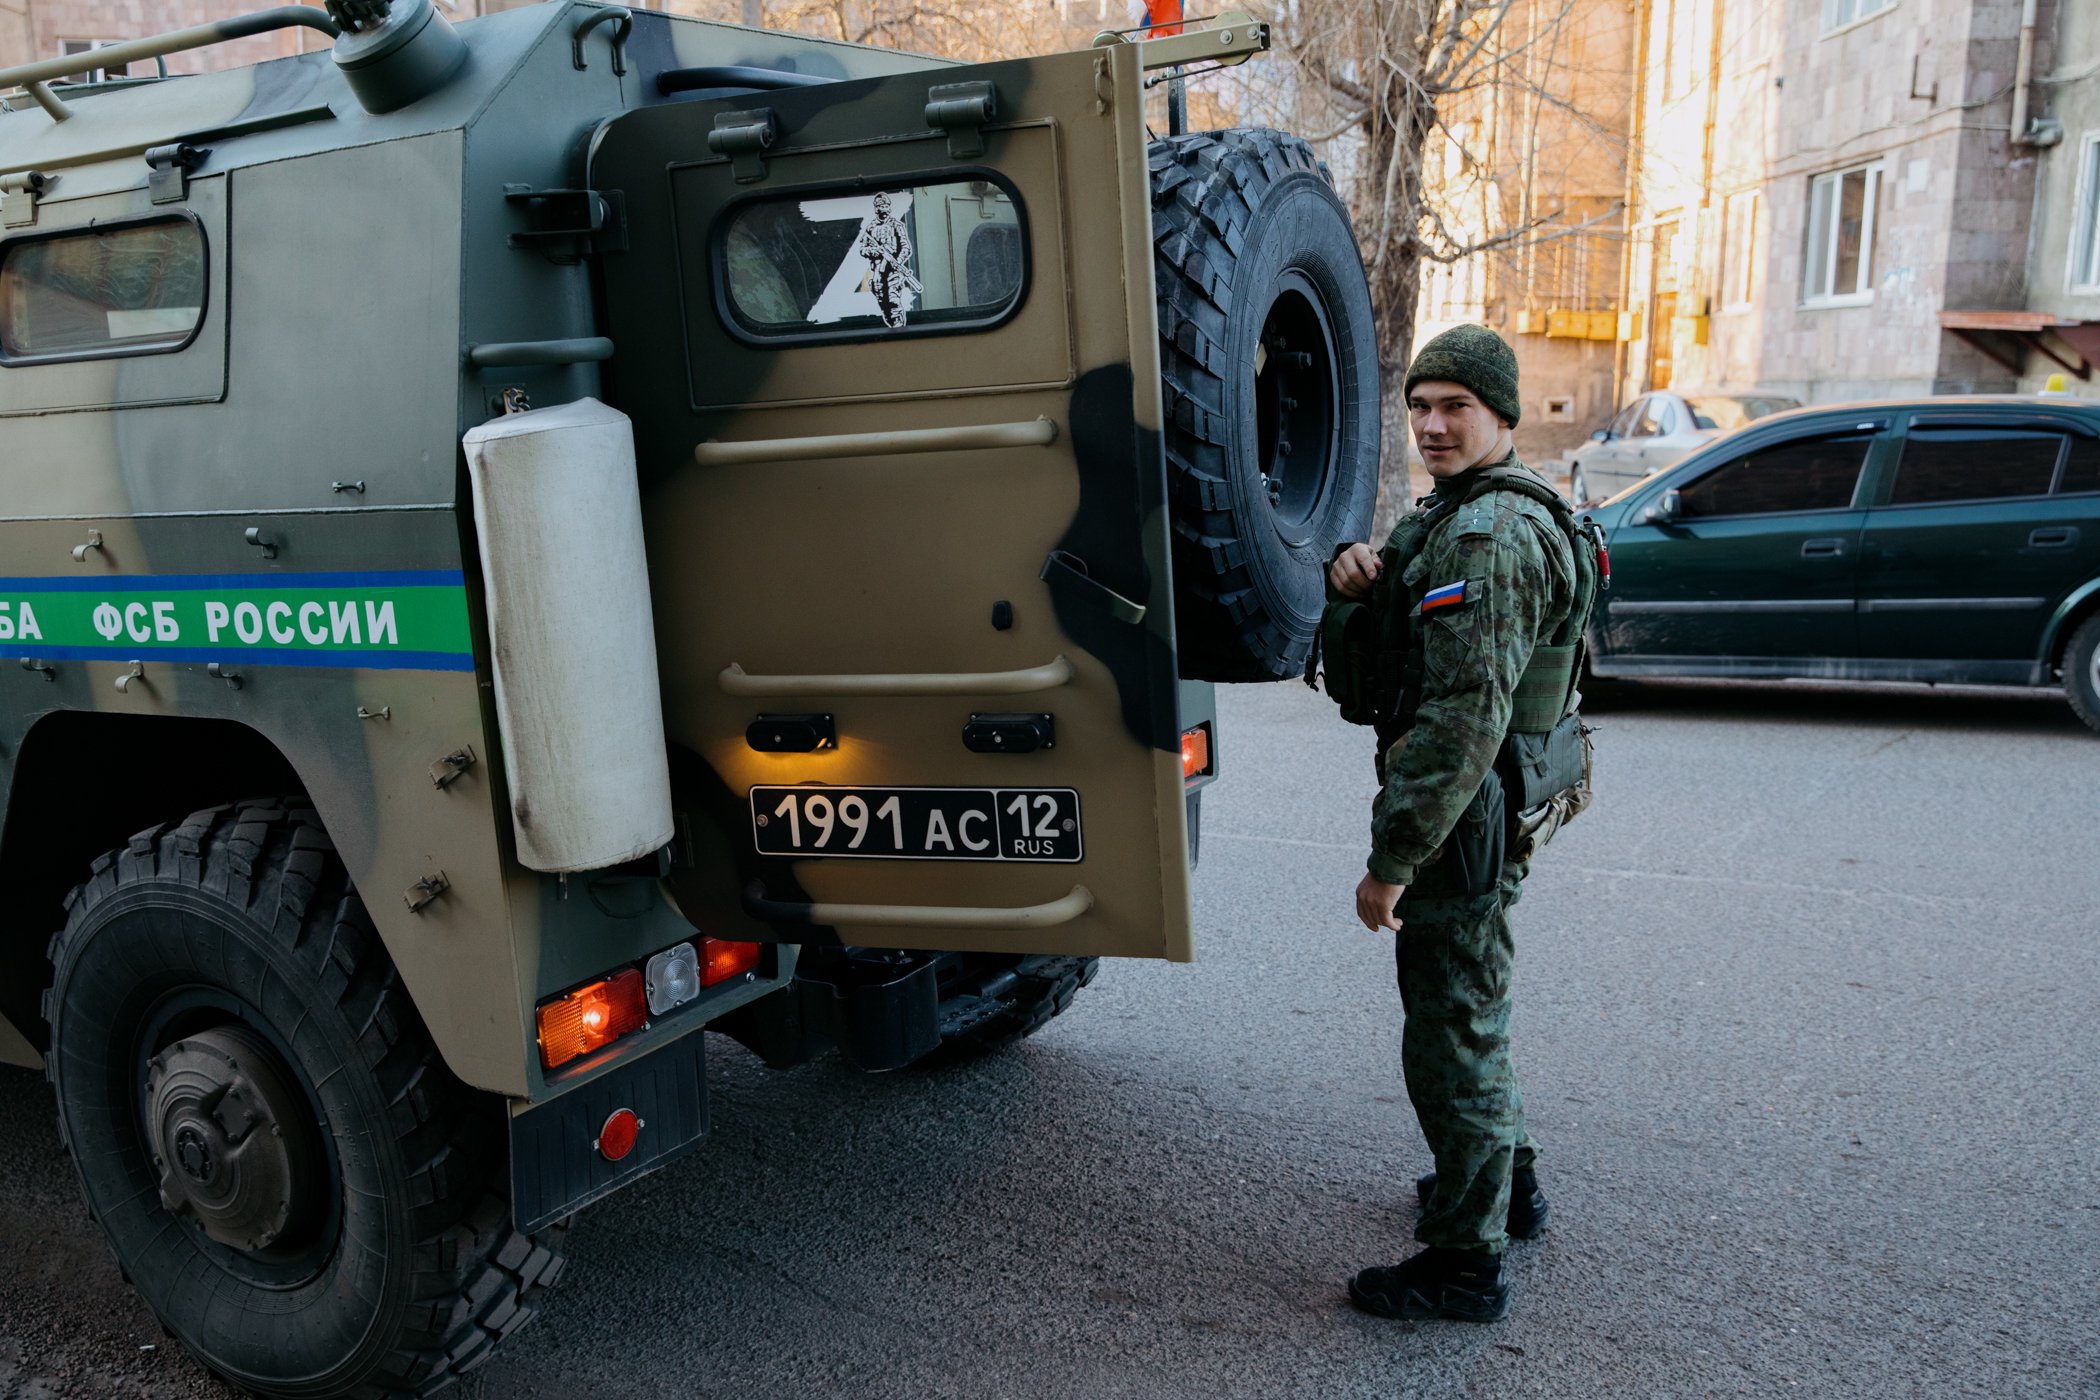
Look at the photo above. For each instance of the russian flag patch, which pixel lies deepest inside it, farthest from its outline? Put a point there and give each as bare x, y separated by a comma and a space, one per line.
1449, 596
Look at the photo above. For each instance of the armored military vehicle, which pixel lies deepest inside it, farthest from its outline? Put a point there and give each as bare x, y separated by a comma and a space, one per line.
526, 541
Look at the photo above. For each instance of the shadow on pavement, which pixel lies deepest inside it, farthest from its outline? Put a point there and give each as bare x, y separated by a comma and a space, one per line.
2004, 709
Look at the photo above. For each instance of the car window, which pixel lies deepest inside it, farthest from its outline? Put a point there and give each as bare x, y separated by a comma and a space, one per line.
1655, 421
2082, 466
1806, 474
1974, 464
1622, 426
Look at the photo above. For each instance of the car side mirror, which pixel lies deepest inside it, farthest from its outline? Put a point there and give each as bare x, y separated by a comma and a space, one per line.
1601, 435
1665, 508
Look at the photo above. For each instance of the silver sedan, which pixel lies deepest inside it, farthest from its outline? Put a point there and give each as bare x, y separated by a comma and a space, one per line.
1655, 431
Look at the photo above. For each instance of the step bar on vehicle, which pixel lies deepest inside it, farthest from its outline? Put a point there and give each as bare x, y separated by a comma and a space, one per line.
735, 680
1057, 911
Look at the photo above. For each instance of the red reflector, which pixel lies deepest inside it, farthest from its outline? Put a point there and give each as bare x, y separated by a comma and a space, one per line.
721, 959
1195, 752
616, 1138
592, 1016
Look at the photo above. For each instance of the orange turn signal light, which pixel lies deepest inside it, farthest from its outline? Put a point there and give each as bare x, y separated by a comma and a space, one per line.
1195, 753
720, 959
592, 1016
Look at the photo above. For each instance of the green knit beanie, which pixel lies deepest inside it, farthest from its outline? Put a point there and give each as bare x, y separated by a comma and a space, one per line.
1475, 357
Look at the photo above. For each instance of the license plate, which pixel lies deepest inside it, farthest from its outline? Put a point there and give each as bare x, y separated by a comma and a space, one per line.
1024, 824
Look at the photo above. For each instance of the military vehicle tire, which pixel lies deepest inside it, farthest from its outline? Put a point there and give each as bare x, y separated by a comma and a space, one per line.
995, 1000
364, 1247
2082, 672
1269, 362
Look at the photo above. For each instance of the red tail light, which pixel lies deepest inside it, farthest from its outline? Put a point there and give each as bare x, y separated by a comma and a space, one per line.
592, 1016
1195, 752
721, 960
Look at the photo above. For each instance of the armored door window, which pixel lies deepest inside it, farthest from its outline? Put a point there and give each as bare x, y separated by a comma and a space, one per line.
830, 264
132, 289
1808, 474
1975, 464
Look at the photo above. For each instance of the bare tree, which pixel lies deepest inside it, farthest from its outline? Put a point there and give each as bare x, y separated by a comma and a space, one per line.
1389, 90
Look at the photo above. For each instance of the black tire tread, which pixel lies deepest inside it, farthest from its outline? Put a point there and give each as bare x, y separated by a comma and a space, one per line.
475, 1278
1043, 986
1206, 187
2077, 666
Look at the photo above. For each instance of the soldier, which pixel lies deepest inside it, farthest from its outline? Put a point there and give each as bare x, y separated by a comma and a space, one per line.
1488, 575
888, 251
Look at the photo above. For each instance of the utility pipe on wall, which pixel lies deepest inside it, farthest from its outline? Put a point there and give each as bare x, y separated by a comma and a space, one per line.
2023, 70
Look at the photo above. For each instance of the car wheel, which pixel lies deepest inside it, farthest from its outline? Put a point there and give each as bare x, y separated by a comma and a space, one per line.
2082, 672
1269, 369
262, 1127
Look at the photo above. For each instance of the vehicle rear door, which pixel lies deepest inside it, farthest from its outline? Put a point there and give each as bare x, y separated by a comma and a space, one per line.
1755, 573
889, 347
1972, 543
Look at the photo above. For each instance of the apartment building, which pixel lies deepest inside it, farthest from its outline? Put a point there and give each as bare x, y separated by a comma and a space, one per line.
1831, 202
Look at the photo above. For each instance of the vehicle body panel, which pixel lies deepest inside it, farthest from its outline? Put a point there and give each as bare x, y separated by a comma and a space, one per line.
1981, 550
889, 562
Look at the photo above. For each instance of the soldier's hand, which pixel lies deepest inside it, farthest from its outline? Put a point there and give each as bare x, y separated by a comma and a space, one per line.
1374, 903
1353, 570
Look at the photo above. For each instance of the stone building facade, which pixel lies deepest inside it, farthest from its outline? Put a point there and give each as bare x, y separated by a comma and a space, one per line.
1820, 182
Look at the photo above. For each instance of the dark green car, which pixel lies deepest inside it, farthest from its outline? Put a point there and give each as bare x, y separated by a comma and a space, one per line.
1945, 540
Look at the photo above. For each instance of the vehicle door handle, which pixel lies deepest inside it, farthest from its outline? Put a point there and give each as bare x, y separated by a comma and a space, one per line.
1063, 568
2053, 537
1822, 549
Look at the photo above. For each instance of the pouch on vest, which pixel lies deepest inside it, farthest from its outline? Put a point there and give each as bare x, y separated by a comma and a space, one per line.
1347, 656
1539, 767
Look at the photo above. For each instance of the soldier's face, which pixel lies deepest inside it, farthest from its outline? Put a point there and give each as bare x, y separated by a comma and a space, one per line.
1453, 428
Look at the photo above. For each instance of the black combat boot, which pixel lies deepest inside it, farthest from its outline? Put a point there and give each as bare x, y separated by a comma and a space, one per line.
1527, 1204
1461, 1284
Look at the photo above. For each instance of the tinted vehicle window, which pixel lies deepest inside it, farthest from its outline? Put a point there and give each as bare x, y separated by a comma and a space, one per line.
1813, 474
1729, 412
948, 254
1974, 464
124, 290
2082, 466
1655, 421
1622, 426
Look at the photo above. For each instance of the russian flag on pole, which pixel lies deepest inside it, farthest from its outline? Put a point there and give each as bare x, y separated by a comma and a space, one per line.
1449, 596
1160, 18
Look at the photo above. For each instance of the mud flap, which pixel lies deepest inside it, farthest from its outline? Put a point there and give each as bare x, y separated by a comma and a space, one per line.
555, 1165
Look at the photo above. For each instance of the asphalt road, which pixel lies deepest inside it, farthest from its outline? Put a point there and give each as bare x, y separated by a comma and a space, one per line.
1807, 1036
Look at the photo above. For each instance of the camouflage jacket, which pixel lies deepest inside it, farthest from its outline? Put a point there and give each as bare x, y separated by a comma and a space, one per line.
1518, 573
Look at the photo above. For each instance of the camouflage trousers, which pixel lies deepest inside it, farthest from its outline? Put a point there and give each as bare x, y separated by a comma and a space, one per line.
1455, 955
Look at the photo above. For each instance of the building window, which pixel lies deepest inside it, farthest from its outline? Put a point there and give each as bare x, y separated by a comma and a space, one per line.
1839, 13
1838, 264
2085, 227
68, 47
1739, 250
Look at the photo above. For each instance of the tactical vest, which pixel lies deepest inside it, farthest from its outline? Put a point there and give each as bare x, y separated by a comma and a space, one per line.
1373, 669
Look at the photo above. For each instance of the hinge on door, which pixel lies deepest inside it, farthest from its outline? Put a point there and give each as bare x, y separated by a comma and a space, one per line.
171, 166
744, 137
19, 191
961, 110
566, 226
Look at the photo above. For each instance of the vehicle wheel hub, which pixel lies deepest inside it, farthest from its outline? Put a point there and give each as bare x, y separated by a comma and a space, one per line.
232, 1138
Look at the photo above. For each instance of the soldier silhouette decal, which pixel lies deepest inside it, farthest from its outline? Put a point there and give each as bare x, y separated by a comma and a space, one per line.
887, 249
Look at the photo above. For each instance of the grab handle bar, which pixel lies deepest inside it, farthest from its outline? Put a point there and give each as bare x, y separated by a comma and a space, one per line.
735, 680
1039, 432
1027, 916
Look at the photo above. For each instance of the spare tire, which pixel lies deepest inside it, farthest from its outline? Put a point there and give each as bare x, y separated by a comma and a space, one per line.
1269, 363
